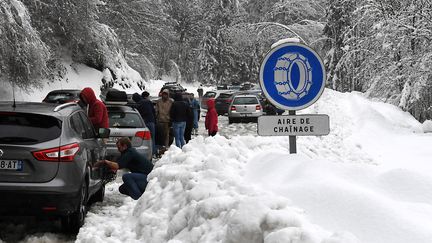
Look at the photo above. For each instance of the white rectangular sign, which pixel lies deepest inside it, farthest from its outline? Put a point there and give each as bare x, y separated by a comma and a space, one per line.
294, 125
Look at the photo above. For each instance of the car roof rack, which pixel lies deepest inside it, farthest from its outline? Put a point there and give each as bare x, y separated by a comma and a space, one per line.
62, 106
116, 97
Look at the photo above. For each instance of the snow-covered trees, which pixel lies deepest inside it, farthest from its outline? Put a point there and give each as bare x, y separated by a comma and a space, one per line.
383, 48
24, 57
73, 26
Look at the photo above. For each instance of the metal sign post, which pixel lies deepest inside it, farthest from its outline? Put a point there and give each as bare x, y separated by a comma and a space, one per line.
292, 139
292, 77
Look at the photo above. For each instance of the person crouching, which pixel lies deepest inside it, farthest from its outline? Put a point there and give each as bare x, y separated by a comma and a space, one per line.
135, 182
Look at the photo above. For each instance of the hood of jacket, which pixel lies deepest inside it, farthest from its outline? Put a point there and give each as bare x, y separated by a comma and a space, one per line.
136, 97
88, 95
211, 103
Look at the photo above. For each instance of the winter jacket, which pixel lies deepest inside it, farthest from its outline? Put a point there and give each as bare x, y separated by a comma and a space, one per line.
97, 112
163, 110
145, 108
134, 161
180, 110
211, 119
195, 108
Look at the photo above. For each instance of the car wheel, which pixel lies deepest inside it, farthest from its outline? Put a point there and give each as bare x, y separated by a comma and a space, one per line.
72, 223
99, 195
230, 120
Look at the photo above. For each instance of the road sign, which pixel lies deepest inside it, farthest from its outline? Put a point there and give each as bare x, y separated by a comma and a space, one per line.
292, 76
297, 125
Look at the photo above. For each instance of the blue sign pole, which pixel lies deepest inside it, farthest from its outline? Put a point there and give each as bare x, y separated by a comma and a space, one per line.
292, 77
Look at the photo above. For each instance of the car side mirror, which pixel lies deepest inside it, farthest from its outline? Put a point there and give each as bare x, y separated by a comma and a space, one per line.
104, 132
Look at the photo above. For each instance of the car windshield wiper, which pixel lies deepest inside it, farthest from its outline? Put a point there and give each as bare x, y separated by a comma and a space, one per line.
17, 140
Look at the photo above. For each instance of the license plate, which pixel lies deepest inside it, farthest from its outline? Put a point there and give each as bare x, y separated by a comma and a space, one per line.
246, 114
11, 165
113, 139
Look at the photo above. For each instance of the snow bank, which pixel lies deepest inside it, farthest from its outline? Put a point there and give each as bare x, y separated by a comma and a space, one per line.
427, 126
198, 195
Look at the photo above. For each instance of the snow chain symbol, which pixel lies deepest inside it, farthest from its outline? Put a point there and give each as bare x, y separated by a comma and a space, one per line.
283, 73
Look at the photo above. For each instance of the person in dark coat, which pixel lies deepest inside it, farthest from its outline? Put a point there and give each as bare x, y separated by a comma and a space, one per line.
189, 122
97, 111
148, 113
211, 119
179, 115
200, 91
135, 182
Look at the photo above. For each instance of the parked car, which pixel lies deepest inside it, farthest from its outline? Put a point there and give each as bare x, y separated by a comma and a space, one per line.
223, 101
244, 107
47, 157
126, 121
62, 96
210, 95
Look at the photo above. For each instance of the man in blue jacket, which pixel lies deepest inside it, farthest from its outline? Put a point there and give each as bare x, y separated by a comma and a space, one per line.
135, 182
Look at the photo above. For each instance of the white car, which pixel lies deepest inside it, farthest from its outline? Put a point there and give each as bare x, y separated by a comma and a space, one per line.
245, 107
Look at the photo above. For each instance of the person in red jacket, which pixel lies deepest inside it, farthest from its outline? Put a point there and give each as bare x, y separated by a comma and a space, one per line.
97, 111
211, 119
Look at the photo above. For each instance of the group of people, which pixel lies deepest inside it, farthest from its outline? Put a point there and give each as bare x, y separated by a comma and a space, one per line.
179, 113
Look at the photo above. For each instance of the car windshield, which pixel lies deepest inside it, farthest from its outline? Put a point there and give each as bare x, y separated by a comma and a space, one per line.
24, 128
245, 101
125, 120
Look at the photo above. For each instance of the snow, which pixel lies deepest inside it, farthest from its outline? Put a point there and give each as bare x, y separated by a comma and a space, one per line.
427, 126
286, 40
367, 181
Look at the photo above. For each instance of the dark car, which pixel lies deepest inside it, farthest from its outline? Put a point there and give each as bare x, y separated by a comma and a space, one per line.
62, 96
47, 158
223, 101
173, 88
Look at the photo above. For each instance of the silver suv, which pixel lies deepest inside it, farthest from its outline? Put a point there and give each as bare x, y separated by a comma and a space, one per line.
47, 157
244, 107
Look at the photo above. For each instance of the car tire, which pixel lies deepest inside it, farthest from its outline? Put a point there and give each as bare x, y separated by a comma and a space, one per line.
230, 120
72, 223
99, 195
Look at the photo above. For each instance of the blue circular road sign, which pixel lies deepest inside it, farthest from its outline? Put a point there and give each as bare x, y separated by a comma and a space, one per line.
292, 76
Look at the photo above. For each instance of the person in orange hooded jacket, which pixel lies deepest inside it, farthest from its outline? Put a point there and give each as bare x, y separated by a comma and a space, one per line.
211, 119
97, 111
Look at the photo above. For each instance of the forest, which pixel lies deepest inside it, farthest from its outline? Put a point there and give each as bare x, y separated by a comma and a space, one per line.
381, 48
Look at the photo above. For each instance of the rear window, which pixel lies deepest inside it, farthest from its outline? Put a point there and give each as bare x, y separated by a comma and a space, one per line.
125, 120
245, 101
210, 95
24, 128
224, 96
